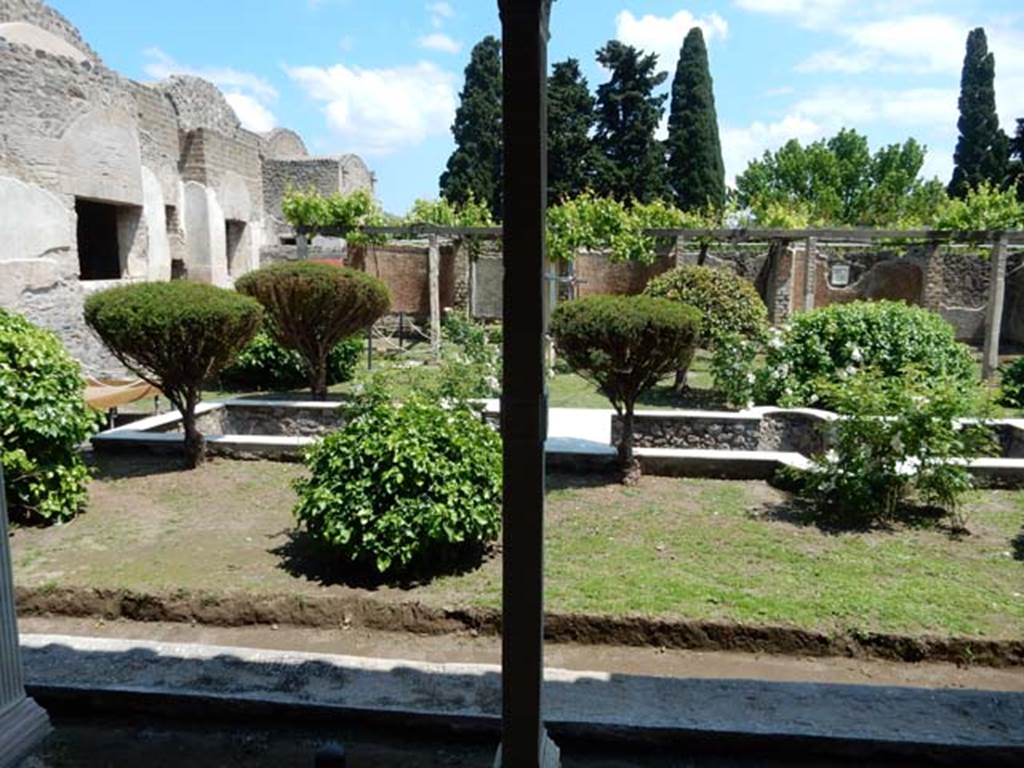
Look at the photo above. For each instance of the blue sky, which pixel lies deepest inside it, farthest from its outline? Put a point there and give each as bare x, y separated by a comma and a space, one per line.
382, 78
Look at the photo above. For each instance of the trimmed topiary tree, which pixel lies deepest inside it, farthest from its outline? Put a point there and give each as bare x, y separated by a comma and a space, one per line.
404, 488
624, 345
311, 307
43, 420
175, 336
728, 304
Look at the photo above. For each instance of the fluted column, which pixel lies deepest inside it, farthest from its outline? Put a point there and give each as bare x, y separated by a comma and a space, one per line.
23, 723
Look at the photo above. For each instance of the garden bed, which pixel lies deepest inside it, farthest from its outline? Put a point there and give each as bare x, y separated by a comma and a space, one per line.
684, 563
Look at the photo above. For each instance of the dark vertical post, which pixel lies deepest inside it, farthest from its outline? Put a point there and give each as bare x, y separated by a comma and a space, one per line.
524, 397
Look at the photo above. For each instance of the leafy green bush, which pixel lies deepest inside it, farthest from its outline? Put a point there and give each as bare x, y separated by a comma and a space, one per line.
404, 487
43, 420
471, 362
624, 345
819, 347
312, 306
176, 336
899, 440
1011, 384
727, 302
266, 365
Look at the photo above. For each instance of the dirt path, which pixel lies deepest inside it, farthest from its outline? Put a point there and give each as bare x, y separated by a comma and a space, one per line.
464, 647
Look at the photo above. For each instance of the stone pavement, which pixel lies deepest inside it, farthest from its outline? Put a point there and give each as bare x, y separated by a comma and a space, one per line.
954, 727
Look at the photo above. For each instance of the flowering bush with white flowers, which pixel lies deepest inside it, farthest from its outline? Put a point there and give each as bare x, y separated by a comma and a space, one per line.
800, 361
898, 442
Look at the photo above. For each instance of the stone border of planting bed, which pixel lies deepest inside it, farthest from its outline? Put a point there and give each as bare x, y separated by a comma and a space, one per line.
240, 428
749, 444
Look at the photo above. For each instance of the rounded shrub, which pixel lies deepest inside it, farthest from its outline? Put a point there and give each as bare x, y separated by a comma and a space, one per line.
728, 303
176, 336
821, 347
266, 365
1011, 385
624, 345
43, 420
404, 488
312, 306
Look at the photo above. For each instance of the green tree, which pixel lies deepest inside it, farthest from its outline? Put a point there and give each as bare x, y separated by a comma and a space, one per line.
630, 160
570, 120
839, 181
176, 336
1015, 169
474, 168
982, 149
696, 172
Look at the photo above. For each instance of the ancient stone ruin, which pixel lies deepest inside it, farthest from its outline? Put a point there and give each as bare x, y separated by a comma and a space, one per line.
104, 180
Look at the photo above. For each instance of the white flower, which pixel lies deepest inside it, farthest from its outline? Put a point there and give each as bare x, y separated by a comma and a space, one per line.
856, 355
775, 342
813, 398
831, 456
750, 378
850, 370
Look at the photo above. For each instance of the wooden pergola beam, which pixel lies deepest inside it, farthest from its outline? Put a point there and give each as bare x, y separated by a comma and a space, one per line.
742, 235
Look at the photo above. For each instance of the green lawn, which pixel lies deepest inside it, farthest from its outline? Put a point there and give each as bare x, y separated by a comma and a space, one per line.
700, 549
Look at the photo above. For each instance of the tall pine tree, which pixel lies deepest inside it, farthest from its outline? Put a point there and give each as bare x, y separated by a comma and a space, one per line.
696, 172
982, 149
474, 168
630, 160
570, 119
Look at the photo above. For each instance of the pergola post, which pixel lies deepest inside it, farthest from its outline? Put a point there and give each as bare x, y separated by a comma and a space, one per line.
994, 308
434, 279
23, 723
524, 397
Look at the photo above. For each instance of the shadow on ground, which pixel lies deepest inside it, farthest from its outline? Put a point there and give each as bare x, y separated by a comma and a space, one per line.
118, 466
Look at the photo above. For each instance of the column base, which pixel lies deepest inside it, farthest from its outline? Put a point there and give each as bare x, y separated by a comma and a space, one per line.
22, 727
550, 757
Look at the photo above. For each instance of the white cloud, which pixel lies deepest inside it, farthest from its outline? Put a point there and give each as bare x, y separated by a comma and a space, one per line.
161, 65
663, 35
379, 111
438, 41
439, 13
247, 93
810, 13
253, 115
741, 145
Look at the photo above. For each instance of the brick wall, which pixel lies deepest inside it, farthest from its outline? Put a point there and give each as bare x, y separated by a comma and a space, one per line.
404, 269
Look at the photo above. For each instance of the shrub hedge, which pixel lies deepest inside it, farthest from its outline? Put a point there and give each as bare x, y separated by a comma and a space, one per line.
267, 366
404, 488
728, 303
822, 346
43, 420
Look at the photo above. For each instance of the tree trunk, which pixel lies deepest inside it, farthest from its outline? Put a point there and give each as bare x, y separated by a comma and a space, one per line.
702, 256
195, 442
318, 379
629, 465
680, 382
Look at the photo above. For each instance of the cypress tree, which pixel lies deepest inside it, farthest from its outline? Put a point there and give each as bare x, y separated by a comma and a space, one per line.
474, 168
630, 161
696, 172
570, 119
982, 149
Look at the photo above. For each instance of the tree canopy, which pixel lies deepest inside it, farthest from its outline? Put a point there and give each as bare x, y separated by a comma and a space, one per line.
840, 181
570, 119
696, 172
630, 160
982, 149
474, 168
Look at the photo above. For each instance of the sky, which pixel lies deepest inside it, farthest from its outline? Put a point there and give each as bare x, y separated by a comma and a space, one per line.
382, 78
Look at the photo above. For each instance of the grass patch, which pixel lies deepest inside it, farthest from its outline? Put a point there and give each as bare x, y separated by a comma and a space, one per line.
699, 549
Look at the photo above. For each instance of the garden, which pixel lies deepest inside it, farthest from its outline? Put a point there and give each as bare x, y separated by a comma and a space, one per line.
882, 542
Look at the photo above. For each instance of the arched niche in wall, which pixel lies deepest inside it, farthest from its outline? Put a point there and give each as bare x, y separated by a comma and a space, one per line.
100, 158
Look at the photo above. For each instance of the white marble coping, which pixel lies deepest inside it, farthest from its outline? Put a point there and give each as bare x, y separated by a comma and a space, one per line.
143, 438
253, 402
160, 420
